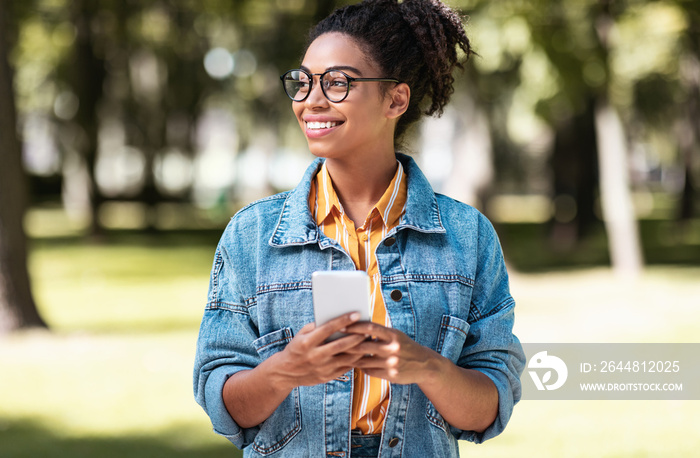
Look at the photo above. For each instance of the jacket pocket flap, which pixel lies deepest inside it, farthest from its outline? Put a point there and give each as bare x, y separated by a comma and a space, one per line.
271, 343
453, 334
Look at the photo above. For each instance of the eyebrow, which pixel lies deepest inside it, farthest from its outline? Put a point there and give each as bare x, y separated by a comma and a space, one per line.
337, 67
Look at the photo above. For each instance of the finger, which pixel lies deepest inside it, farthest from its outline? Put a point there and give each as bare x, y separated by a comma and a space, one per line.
343, 321
388, 365
386, 374
374, 364
346, 360
344, 344
368, 347
377, 348
340, 364
370, 362
371, 329
340, 323
342, 370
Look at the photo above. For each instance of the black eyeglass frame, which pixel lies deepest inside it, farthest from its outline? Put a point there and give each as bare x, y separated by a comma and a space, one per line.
351, 79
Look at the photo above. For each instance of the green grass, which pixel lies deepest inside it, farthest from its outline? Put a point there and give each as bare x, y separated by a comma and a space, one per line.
79, 395
130, 284
113, 377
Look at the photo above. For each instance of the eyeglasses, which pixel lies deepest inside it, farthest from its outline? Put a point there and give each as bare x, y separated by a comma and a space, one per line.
334, 84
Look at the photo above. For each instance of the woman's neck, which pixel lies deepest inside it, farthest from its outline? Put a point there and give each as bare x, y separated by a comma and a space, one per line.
360, 184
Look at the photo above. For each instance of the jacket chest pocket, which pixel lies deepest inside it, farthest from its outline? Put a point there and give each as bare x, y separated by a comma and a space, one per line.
285, 421
451, 338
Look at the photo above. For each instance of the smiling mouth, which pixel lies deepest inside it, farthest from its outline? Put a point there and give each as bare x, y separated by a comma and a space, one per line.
322, 125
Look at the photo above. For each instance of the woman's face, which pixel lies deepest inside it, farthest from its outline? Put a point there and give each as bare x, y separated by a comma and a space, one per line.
360, 126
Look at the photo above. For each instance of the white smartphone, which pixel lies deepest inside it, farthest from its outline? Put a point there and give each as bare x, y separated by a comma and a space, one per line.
336, 292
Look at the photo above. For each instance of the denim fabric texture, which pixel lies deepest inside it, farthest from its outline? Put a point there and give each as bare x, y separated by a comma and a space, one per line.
444, 283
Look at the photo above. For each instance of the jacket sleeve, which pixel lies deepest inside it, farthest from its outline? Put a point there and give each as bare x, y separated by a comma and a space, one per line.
490, 346
224, 346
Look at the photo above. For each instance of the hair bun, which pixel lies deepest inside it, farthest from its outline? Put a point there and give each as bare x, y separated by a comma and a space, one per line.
439, 31
414, 41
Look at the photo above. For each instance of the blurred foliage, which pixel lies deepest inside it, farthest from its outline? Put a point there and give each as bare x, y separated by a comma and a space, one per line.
177, 100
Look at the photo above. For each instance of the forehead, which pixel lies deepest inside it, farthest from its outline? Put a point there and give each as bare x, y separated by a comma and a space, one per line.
335, 49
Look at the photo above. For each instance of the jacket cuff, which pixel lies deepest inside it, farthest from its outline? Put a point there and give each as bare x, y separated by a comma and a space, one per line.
221, 420
506, 402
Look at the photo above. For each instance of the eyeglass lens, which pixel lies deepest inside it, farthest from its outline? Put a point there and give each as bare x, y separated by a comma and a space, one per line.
297, 85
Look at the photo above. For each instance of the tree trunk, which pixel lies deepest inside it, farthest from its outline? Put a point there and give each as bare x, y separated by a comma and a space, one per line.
17, 307
574, 163
615, 191
615, 195
87, 77
689, 135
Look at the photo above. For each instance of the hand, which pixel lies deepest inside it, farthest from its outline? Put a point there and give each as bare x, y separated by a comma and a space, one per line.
392, 355
309, 360
252, 395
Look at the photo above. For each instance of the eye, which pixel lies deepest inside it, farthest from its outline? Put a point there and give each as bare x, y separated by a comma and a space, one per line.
340, 83
336, 81
297, 81
296, 85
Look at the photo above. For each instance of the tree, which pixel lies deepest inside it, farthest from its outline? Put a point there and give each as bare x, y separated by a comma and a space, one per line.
17, 306
689, 129
566, 46
615, 190
88, 75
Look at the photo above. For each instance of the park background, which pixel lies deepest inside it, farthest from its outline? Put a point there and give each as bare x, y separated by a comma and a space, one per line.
130, 132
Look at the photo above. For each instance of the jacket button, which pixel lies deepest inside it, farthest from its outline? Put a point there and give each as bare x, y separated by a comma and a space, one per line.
393, 442
389, 241
396, 295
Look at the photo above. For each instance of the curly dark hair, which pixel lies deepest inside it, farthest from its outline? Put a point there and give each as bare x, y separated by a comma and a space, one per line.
414, 41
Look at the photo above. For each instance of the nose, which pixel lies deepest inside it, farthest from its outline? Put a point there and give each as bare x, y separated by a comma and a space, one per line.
316, 96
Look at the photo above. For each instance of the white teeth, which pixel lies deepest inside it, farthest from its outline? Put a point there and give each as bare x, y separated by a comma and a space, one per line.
321, 125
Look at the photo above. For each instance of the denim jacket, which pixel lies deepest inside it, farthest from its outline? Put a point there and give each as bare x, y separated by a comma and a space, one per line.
444, 283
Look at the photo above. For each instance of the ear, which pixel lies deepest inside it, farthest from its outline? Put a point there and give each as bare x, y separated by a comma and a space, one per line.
399, 97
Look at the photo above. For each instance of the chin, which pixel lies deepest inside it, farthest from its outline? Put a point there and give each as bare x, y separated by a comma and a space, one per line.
322, 151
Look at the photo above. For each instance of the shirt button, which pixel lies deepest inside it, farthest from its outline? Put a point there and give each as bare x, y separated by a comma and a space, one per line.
396, 295
393, 442
389, 241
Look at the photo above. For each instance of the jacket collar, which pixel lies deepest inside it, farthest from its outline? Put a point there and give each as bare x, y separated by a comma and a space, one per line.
296, 225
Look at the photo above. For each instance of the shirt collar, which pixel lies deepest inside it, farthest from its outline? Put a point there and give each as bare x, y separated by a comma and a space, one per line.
296, 225
323, 198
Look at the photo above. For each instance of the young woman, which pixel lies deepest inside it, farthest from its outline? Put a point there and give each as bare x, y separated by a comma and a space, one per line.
442, 363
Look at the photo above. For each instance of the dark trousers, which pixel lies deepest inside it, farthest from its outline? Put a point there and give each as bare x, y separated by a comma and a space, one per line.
365, 446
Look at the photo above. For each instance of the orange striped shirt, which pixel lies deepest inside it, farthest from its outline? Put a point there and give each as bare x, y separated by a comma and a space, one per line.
371, 394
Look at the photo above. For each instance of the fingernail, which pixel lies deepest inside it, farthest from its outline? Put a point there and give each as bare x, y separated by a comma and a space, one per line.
355, 316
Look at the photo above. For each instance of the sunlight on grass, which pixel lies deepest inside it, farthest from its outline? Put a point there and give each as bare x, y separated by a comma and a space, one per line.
102, 385
121, 288
90, 386
583, 429
594, 305
114, 377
